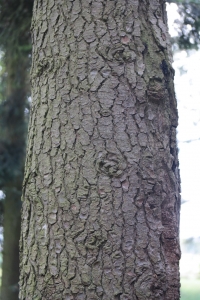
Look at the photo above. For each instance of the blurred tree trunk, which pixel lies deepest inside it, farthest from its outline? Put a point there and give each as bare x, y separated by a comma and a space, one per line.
15, 45
10, 266
14, 141
101, 190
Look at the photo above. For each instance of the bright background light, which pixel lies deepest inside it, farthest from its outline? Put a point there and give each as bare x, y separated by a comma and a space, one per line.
187, 86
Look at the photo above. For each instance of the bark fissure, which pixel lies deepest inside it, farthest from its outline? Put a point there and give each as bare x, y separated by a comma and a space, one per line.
101, 181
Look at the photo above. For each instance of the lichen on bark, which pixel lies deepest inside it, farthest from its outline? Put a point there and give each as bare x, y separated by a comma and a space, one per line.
101, 189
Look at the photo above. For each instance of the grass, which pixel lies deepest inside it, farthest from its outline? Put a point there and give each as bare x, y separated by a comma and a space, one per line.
190, 289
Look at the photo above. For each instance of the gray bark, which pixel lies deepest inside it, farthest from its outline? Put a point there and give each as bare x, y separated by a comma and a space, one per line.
101, 190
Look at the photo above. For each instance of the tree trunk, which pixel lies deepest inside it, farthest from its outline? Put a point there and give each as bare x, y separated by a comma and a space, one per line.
101, 189
15, 19
10, 266
12, 186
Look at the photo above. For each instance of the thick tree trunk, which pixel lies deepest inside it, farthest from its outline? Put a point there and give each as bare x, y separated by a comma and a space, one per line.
101, 189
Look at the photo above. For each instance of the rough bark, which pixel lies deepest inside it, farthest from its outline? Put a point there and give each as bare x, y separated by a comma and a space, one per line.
101, 189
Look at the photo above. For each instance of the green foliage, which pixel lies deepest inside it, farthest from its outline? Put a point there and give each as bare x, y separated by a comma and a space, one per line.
189, 31
189, 25
15, 25
190, 289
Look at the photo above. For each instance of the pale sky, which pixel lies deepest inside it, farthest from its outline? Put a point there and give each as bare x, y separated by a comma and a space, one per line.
187, 88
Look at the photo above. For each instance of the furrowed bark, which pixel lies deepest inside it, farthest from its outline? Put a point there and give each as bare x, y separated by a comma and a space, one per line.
101, 190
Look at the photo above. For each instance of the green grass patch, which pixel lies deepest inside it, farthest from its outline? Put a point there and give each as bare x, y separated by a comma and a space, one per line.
190, 289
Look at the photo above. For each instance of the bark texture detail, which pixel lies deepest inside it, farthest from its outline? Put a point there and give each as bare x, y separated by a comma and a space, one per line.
101, 190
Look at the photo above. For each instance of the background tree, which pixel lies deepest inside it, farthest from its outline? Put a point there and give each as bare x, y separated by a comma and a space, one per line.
101, 190
15, 18
189, 25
